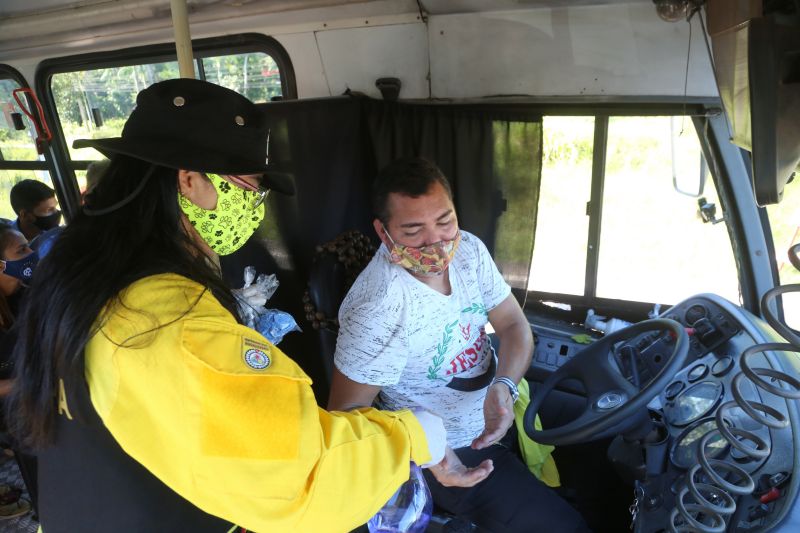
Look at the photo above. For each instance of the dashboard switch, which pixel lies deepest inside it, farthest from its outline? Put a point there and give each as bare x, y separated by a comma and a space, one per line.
771, 495
759, 512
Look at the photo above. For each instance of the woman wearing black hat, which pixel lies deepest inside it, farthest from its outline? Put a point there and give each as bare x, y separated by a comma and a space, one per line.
152, 408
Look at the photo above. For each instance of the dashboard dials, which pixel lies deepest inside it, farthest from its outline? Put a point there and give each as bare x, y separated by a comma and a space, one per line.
695, 313
693, 403
722, 366
673, 389
684, 451
697, 372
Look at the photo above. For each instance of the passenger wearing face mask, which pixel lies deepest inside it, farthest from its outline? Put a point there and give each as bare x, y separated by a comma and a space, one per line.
17, 263
36, 208
412, 335
151, 406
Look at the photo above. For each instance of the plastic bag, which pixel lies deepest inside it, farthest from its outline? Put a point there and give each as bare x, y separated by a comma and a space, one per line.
273, 324
408, 510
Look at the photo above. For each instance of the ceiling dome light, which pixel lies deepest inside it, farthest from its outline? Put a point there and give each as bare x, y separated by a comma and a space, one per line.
672, 10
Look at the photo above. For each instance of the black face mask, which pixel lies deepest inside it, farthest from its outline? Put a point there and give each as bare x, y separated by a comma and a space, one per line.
49, 222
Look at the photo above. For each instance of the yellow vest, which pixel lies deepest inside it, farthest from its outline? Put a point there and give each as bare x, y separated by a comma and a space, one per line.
230, 423
538, 457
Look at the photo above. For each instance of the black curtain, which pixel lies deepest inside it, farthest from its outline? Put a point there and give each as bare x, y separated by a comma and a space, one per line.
492, 157
334, 148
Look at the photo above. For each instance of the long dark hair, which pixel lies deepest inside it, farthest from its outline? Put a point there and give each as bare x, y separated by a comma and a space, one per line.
94, 259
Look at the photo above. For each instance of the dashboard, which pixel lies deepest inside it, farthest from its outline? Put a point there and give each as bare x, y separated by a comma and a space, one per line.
724, 452
716, 463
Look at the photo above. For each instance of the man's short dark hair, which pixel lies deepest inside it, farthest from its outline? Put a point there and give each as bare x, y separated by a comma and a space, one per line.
28, 193
410, 176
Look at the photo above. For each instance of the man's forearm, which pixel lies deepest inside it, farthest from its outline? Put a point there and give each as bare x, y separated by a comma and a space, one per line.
516, 349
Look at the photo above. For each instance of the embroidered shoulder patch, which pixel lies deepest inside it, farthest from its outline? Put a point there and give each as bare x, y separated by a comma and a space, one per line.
256, 354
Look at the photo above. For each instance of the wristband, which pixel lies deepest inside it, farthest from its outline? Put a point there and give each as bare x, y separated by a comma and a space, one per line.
512, 387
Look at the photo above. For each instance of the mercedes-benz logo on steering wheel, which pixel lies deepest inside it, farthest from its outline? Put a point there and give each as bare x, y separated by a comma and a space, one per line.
611, 400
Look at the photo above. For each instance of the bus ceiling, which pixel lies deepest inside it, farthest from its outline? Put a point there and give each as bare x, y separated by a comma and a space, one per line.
439, 49
461, 49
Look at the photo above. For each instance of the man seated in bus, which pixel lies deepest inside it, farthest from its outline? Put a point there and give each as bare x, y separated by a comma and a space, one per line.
412, 333
35, 206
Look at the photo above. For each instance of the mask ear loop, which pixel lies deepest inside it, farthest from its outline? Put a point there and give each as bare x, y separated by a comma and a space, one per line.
386, 231
125, 201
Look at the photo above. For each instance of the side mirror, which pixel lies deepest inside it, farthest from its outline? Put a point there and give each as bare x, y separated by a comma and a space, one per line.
690, 185
683, 182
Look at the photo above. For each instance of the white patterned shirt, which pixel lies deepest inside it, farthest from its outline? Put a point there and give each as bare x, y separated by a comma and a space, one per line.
425, 349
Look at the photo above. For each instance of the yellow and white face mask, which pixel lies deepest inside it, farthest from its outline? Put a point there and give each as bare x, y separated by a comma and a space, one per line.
227, 227
430, 260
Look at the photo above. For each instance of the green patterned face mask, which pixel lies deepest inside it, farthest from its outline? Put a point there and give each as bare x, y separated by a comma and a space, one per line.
236, 217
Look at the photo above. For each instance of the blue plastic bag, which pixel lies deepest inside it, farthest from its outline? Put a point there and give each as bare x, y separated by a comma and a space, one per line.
408, 510
273, 324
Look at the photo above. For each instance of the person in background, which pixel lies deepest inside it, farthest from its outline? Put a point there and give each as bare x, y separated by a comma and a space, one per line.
35, 206
94, 172
151, 406
17, 263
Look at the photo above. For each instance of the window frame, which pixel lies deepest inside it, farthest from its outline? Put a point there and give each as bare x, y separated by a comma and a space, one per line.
64, 167
697, 109
7, 72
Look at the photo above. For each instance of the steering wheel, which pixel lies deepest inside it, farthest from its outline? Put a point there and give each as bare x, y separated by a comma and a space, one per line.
611, 398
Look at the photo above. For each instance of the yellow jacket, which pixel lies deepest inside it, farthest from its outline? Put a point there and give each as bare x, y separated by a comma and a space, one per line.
230, 423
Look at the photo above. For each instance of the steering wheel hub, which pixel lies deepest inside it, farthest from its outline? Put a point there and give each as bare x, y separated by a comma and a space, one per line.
611, 400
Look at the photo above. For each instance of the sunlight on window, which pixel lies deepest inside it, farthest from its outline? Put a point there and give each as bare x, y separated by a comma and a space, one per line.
559, 253
653, 245
95, 103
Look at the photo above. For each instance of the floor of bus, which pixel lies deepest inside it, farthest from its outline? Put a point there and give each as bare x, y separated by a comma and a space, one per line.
9, 475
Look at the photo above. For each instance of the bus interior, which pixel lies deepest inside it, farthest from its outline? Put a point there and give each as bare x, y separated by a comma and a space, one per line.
629, 164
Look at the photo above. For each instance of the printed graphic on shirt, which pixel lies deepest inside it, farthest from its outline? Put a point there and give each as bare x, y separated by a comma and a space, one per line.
63, 408
425, 349
441, 349
471, 356
477, 308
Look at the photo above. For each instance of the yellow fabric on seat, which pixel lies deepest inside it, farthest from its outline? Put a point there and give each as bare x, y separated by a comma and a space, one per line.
230, 423
538, 457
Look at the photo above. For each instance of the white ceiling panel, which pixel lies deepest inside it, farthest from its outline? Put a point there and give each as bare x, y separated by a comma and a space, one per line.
586, 50
355, 58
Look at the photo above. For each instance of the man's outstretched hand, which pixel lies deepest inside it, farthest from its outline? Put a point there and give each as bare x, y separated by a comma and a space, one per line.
498, 415
451, 472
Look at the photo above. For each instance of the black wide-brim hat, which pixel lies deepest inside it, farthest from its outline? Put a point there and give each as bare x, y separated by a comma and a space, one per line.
196, 125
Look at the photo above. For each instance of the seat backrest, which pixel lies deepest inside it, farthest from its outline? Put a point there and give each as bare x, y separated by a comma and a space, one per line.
336, 266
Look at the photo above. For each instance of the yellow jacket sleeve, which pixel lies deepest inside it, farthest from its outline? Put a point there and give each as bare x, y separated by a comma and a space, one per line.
230, 423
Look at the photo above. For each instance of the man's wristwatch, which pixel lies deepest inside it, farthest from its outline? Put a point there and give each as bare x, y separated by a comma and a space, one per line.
508, 382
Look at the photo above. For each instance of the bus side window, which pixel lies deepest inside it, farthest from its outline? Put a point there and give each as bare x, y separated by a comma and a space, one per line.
652, 247
95, 103
17, 146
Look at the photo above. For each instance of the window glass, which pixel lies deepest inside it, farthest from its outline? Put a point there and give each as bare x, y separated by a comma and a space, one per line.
93, 104
15, 145
9, 178
784, 219
559, 252
654, 247
254, 75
